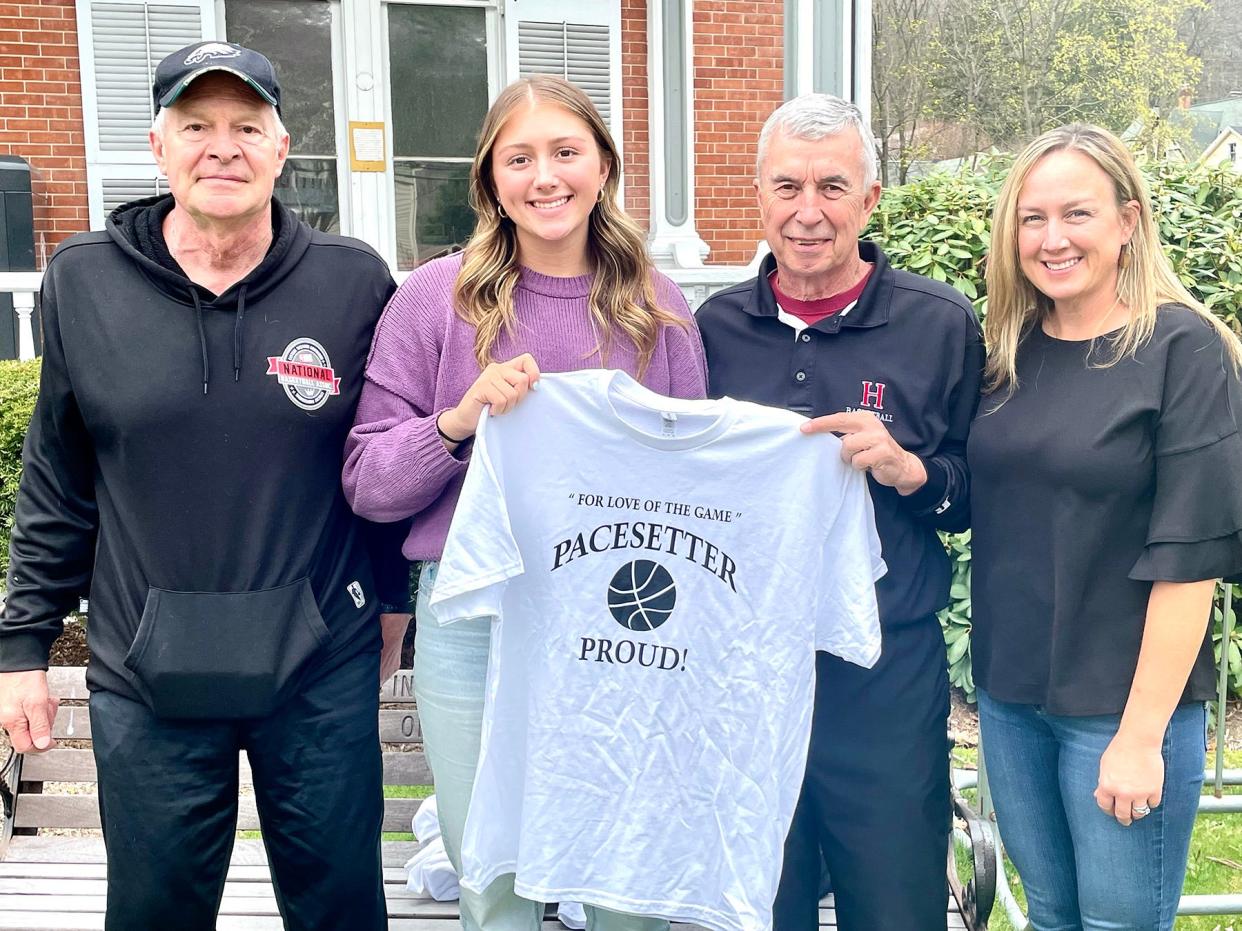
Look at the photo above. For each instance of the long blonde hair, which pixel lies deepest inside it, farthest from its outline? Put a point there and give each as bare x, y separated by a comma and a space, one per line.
622, 299
1145, 277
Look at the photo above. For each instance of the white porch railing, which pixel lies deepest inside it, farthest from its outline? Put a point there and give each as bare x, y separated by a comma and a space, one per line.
23, 286
697, 284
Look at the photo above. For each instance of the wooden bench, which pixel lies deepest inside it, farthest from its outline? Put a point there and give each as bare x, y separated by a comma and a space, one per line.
50, 879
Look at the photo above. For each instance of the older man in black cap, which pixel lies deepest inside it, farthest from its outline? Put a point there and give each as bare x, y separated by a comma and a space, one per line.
202, 360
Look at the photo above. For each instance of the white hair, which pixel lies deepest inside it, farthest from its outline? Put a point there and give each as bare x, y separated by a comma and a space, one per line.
157, 124
814, 116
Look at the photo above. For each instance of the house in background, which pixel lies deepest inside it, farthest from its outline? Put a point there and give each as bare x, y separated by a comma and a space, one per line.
384, 99
1211, 128
1226, 149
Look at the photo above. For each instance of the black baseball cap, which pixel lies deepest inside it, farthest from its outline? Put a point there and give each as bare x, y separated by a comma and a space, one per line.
174, 74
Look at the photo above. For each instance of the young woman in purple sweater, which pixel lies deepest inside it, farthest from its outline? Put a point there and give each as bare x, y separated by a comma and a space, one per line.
555, 278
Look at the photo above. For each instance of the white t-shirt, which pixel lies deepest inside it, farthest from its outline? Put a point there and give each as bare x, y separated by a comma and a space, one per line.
661, 573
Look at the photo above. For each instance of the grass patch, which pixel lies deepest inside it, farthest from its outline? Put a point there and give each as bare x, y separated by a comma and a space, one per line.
408, 791
1214, 866
404, 792
389, 792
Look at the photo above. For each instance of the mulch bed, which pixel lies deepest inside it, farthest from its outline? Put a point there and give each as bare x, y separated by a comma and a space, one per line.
70, 647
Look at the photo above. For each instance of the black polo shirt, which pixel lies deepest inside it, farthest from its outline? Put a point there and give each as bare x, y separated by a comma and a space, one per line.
909, 351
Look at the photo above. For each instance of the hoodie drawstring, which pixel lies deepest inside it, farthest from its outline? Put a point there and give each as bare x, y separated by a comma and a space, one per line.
237, 333
202, 336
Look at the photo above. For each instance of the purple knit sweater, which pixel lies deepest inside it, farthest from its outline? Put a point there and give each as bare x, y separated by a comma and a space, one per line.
422, 362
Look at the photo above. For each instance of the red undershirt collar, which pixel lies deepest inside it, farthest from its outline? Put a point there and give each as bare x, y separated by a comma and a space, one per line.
811, 312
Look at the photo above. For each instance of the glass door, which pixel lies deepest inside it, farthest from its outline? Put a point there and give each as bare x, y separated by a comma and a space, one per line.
298, 36
441, 77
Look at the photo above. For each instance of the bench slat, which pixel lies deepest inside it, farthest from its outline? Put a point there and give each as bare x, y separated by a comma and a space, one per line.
83, 849
399, 726
17, 870
235, 905
68, 921
399, 689
241, 899
59, 921
69, 682
72, 722
82, 811
396, 725
238, 895
401, 768
406, 768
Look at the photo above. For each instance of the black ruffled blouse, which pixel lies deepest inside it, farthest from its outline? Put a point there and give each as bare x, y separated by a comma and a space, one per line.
1089, 484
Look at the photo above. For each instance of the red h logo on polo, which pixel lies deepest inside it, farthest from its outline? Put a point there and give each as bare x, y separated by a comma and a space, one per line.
873, 395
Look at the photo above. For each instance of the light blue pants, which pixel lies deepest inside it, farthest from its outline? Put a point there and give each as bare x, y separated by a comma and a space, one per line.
450, 675
1081, 868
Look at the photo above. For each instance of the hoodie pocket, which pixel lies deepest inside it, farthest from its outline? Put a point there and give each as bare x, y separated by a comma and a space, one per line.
223, 654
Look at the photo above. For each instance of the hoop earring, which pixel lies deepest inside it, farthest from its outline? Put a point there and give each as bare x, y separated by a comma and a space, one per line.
599, 198
501, 210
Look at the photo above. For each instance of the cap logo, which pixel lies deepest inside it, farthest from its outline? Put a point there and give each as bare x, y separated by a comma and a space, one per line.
211, 50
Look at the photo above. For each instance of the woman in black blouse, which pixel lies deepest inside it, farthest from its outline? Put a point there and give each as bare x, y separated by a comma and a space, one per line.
1106, 499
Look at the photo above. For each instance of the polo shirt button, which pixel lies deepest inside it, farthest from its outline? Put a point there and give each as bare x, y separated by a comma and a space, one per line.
806, 337
800, 376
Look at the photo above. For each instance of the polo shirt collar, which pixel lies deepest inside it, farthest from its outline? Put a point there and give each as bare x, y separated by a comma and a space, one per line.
870, 310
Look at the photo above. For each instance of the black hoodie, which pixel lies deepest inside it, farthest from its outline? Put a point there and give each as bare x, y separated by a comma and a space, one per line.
184, 462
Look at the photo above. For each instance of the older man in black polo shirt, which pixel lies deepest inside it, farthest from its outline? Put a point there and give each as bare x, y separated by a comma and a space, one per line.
891, 362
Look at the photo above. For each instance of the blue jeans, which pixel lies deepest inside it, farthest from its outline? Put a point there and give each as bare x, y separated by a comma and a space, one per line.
1081, 869
450, 676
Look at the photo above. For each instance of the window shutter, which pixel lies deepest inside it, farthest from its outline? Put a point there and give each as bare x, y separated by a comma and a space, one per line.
579, 40
119, 43
117, 191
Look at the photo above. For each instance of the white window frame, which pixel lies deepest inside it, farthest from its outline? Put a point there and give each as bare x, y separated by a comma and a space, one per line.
492, 26
127, 165
341, 121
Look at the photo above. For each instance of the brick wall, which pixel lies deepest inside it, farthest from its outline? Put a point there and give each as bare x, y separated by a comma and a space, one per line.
635, 143
41, 113
738, 80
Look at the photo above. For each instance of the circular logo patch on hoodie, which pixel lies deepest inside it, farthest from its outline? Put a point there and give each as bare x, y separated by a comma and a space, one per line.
305, 371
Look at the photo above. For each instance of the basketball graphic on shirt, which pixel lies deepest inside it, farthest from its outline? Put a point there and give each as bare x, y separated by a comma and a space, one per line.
641, 595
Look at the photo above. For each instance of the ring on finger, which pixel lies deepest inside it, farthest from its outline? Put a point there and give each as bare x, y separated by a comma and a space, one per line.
1140, 811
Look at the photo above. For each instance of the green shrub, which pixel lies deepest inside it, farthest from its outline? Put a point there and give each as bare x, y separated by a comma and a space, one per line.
19, 383
939, 226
